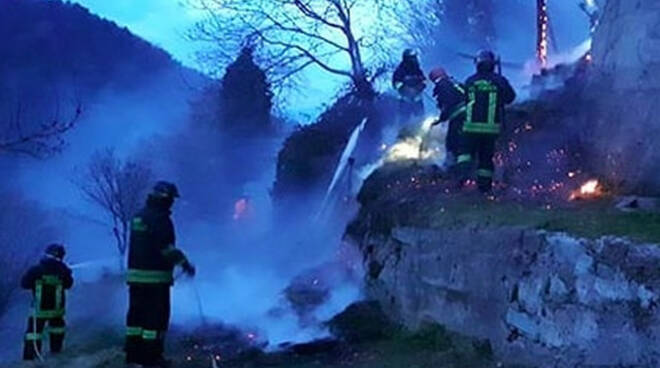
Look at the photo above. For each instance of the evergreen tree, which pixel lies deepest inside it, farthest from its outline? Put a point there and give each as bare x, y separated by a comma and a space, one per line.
246, 98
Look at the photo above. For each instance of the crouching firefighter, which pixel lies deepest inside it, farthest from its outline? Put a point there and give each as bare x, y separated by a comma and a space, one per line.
152, 258
487, 94
409, 81
450, 96
48, 281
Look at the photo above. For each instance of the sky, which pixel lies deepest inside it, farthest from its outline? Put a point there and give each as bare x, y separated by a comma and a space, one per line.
165, 22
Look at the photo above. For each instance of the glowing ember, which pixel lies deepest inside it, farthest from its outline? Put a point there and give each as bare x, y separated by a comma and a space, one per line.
590, 189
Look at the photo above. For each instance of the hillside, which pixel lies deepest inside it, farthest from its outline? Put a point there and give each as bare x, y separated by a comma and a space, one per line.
50, 41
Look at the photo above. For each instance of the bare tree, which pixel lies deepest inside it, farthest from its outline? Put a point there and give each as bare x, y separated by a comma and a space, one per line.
22, 134
296, 34
119, 189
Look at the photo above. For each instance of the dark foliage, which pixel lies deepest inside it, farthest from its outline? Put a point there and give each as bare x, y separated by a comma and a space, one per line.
49, 42
246, 98
360, 322
309, 156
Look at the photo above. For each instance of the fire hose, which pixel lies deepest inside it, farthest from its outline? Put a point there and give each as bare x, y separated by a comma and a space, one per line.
198, 299
37, 351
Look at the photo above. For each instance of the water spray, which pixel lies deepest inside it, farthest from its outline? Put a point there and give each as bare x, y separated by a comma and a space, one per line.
343, 161
90, 264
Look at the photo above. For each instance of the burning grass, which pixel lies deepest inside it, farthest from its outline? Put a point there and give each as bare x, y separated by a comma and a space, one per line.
422, 196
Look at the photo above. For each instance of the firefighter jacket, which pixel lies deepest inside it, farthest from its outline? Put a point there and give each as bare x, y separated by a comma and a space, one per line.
152, 255
487, 94
408, 80
450, 96
48, 281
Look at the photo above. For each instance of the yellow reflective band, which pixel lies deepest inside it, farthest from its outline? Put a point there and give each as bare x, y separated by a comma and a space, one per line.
138, 225
470, 108
492, 107
459, 88
33, 336
149, 277
464, 158
57, 330
50, 280
149, 334
482, 128
484, 173
49, 314
133, 331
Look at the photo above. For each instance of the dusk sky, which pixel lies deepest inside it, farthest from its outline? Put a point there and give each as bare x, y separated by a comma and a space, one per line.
165, 23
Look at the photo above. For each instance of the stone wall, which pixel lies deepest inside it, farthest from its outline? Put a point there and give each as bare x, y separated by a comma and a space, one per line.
545, 299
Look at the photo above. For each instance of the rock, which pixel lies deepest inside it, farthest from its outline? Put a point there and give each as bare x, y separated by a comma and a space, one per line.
557, 290
533, 294
363, 321
623, 94
635, 203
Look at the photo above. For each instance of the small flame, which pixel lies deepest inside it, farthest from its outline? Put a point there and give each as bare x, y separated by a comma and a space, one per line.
242, 209
590, 189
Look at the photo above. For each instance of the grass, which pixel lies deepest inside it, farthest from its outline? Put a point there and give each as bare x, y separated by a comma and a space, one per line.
431, 347
589, 219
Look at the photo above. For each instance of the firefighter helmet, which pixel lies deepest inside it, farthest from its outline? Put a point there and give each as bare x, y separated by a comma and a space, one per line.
485, 59
409, 54
56, 251
437, 74
165, 189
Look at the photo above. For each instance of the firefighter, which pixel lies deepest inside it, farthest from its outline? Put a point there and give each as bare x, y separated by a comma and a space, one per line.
487, 94
152, 258
450, 96
409, 81
48, 282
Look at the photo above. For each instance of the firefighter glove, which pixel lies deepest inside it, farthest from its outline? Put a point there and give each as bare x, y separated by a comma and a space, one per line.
189, 269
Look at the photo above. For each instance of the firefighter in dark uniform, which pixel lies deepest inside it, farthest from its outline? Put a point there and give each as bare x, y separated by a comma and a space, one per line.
152, 258
409, 81
48, 282
487, 94
450, 96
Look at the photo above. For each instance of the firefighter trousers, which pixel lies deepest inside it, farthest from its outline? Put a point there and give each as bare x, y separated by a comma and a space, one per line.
37, 328
479, 148
147, 322
454, 134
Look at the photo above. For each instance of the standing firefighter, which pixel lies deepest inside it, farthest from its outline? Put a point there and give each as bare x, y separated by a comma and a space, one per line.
151, 260
409, 81
48, 281
450, 96
487, 94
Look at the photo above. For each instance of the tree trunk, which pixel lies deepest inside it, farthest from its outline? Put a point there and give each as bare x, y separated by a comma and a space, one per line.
121, 247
